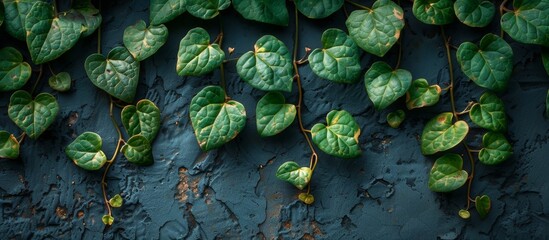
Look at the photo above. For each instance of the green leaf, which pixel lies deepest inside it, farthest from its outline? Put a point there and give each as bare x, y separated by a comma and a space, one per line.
489, 65
483, 205
48, 37
338, 59
273, 114
385, 85
496, 149
421, 94
107, 220
394, 119
60, 82
528, 23
464, 214
15, 15
33, 116
489, 113
545, 59
138, 151
14, 73
143, 119
339, 137
475, 13
206, 9
306, 198
266, 11
116, 201
118, 74
318, 8
163, 11
215, 120
291, 172
9, 146
440, 134
376, 30
268, 67
85, 151
196, 55
447, 173
435, 12
88, 16
143, 41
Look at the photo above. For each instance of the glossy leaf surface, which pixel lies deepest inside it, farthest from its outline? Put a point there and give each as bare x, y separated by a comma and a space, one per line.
14, 72
447, 174
107, 220
273, 114
318, 8
266, 11
306, 198
394, 119
116, 201
60, 82
483, 205
293, 173
162, 11
339, 137
33, 116
385, 85
15, 14
196, 56
85, 151
440, 134
88, 16
206, 9
528, 22
9, 146
475, 13
496, 149
138, 151
143, 41
435, 12
421, 94
143, 119
489, 113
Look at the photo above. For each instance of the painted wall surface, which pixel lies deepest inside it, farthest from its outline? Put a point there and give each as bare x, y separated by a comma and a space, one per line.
233, 193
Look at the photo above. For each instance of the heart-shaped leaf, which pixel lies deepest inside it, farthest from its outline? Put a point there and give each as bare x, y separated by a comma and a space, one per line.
48, 37
138, 151
9, 146
118, 74
376, 30
291, 172
60, 82
447, 174
394, 119
14, 73
215, 120
143, 119
475, 13
339, 137
268, 67
206, 9
528, 22
88, 16
107, 220
266, 11
464, 214
483, 205
273, 114
489, 113
440, 134
163, 11
15, 15
385, 85
318, 8
435, 12
116, 201
196, 55
421, 94
143, 41
306, 198
489, 65
338, 59
496, 149
545, 59
33, 116
85, 151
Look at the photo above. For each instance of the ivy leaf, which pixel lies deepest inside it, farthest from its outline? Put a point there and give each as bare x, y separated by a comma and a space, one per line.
266, 11
318, 8
421, 94
528, 23
118, 74
116, 201
475, 13
435, 12
196, 55
496, 149
163, 11
394, 119
376, 30
338, 59
268, 67
489, 113
60, 82
545, 59
339, 137
440, 134
143, 119
489, 65
85, 151
385, 85
14, 73
464, 214
48, 37
206, 9
89, 16
306, 198
483, 205
215, 120
15, 15
447, 174
107, 220
273, 114
9, 146
138, 151
291, 172
33, 116
143, 41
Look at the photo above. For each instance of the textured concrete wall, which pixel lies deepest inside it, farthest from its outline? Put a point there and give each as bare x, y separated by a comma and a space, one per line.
233, 193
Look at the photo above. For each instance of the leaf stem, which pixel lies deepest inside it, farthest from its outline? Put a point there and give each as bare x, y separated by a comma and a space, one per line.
502, 8
219, 40
21, 138
230, 59
37, 79
51, 70
358, 5
399, 53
